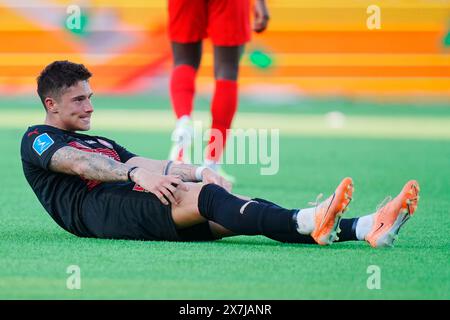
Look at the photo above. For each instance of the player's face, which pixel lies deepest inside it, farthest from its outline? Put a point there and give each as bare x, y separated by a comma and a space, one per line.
75, 107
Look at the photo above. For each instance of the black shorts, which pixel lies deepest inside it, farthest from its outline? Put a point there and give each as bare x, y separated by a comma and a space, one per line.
116, 211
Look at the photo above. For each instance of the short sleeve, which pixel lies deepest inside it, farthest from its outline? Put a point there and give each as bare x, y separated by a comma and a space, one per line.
38, 148
124, 154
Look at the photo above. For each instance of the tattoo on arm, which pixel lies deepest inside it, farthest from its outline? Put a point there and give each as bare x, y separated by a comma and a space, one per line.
90, 166
151, 165
185, 171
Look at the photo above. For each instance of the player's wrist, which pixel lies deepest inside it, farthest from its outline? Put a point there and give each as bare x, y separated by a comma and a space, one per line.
167, 167
131, 173
198, 173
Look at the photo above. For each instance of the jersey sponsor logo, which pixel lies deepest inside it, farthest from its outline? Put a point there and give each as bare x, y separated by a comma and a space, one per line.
42, 143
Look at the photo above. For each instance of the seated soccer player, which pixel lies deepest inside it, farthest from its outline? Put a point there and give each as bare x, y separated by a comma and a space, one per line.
93, 187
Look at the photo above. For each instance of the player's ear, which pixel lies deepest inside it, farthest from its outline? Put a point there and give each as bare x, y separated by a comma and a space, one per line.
51, 105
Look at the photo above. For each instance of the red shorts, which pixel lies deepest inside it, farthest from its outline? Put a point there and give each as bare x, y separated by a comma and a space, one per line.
226, 22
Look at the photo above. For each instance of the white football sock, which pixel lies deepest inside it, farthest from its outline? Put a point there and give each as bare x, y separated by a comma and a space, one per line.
183, 132
305, 220
211, 164
184, 120
363, 226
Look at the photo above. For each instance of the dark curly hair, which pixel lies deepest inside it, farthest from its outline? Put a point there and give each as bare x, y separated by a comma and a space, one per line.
58, 76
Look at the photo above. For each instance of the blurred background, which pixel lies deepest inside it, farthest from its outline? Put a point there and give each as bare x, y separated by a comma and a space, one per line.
316, 48
348, 99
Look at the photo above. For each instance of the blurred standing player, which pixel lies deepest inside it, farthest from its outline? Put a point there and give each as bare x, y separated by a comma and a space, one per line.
227, 23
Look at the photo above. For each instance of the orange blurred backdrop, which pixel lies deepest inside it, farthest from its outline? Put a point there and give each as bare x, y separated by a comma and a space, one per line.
318, 48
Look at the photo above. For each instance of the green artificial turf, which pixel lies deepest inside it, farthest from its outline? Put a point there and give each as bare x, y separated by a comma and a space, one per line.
35, 253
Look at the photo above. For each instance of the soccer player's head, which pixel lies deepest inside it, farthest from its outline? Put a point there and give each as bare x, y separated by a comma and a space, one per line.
64, 89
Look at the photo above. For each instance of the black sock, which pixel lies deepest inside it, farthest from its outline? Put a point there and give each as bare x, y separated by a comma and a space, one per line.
347, 226
242, 216
266, 202
348, 230
348, 233
293, 237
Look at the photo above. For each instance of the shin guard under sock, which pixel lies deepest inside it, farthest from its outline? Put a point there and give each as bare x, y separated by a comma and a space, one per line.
245, 217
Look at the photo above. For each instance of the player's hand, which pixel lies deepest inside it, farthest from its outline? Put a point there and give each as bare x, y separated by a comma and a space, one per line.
163, 187
210, 176
261, 18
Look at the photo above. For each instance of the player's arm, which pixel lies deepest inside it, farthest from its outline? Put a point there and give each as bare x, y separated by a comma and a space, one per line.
189, 172
98, 167
186, 172
155, 166
261, 16
90, 166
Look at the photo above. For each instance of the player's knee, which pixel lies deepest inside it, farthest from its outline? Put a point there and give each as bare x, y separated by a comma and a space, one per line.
227, 72
186, 212
187, 54
188, 198
184, 61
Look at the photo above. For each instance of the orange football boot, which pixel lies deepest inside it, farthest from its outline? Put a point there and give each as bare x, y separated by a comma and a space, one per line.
389, 218
329, 212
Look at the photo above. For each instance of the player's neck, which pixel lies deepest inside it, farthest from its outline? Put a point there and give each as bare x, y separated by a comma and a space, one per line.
50, 121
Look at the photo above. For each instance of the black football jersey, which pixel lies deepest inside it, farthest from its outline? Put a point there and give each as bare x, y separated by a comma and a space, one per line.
61, 194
